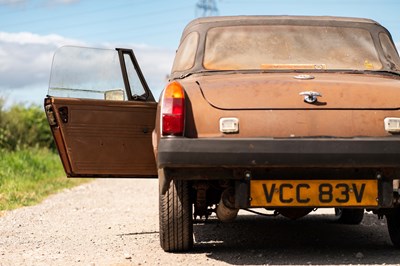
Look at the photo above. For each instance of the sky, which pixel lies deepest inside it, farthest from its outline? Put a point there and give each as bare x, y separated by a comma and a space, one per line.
32, 30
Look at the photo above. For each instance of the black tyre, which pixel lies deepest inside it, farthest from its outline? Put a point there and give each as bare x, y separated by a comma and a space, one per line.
393, 224
349, 216
176, 223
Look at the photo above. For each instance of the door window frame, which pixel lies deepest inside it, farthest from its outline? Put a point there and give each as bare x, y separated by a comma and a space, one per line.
147, 96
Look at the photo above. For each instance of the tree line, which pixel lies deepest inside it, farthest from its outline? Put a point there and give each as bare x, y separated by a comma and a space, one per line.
23, 127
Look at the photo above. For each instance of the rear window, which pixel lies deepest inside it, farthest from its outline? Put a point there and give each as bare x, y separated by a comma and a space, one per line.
186, 53
289, 47
390, 51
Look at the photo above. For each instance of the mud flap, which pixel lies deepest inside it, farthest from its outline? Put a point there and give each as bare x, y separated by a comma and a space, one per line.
385, 192
242, 194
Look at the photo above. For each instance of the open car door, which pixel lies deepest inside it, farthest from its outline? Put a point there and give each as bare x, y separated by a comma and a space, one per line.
101, 113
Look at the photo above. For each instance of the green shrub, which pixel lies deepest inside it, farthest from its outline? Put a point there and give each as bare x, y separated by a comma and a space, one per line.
24, 127
30, 169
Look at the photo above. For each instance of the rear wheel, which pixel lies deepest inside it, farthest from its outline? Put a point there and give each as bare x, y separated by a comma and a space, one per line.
393, 224
176, 224
349, 216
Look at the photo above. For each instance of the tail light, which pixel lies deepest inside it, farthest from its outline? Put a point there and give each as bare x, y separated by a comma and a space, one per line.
173, 110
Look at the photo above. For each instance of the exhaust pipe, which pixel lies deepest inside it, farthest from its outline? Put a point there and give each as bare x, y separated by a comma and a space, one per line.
226, 211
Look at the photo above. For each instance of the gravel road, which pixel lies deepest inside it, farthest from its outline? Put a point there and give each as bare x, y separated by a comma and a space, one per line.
115, 222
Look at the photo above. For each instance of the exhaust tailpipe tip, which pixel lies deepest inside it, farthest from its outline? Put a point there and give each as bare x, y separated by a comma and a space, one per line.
226, 211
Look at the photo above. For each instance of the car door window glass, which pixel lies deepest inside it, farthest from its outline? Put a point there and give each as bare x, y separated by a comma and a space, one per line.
90, 73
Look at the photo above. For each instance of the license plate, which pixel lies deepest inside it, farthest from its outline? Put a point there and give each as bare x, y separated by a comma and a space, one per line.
324, 193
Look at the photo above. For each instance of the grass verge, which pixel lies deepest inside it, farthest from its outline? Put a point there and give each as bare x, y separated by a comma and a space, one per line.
29, 176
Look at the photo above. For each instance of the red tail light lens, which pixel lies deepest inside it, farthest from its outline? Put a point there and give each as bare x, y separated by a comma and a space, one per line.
173, 110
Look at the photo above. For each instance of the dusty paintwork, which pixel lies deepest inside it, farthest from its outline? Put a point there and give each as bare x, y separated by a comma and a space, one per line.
280, 112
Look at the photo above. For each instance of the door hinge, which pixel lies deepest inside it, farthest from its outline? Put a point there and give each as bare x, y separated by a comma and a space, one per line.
50, 115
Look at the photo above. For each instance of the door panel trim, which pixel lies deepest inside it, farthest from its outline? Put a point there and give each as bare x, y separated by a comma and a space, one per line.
105, 138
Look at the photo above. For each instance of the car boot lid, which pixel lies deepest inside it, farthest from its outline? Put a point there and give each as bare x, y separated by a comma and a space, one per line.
300, 91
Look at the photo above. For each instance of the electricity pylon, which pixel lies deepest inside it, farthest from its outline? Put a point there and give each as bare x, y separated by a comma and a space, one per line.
207, 7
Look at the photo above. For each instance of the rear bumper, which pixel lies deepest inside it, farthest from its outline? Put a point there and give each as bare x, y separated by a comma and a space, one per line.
284, 159
266, 152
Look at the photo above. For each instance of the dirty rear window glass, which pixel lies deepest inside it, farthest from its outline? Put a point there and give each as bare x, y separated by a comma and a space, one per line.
186, 53
289, 47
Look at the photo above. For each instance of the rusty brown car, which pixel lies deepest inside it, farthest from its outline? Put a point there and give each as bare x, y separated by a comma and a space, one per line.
282, 113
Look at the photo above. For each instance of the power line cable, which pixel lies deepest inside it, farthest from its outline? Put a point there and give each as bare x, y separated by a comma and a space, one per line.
18, 9
14, 8
77, 14
119, 18
131, 29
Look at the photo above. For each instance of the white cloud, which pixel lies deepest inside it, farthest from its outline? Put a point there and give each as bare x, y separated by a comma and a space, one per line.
22, 38
26, 57
26, 62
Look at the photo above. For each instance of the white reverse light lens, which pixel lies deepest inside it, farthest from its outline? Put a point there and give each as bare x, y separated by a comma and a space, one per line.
229, 125
392, 124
